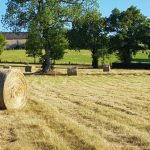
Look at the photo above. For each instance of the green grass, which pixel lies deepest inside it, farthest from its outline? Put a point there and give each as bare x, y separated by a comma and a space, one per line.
142, 57
81, 57
15, 56
74, 57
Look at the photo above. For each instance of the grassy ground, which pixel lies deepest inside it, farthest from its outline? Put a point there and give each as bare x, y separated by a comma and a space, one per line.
75, 57
142, 57
82, 57
15, 56
81, 113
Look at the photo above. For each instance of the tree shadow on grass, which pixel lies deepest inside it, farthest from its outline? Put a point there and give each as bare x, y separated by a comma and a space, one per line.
138, 60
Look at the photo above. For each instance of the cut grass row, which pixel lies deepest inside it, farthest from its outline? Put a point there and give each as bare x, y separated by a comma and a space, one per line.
71, 56
80, 113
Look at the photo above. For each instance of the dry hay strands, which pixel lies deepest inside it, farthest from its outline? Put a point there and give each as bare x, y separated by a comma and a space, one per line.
72, 71
106, 68
13, 89
28, 68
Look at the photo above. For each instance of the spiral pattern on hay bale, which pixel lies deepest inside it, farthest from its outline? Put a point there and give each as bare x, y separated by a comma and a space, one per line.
13, 89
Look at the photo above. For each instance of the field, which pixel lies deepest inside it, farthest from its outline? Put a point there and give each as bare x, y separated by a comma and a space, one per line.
99, 112
74, 57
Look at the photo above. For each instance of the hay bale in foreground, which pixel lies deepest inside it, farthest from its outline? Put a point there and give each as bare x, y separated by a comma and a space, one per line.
106, 68
28, 68
7, 67
72, 71
13, 89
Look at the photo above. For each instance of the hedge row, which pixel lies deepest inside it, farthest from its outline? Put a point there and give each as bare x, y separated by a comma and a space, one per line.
131, 66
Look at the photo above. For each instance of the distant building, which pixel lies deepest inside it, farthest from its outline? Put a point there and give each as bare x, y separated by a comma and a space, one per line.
15, 40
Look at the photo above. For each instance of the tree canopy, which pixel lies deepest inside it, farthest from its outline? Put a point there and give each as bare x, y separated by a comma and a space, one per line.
2, 42
47, 15
126, 28
88, 32
47, 20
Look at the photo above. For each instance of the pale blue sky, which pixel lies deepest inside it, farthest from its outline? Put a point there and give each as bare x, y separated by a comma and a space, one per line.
106, 7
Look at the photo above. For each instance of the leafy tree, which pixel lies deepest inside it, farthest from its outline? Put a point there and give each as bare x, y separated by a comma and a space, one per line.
34, 44
125, 29
88, 32
48, 15
58, 43
146, 36
2, 43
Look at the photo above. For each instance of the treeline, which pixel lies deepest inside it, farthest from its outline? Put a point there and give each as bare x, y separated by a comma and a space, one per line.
124, 33
77, 24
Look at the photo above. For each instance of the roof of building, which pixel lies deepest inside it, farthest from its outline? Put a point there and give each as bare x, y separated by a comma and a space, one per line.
15, 35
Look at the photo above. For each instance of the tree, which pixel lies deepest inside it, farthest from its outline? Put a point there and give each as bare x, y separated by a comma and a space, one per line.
2, 43
48, 15
34, 44
88, 32
58, 43
126, 28
145, 37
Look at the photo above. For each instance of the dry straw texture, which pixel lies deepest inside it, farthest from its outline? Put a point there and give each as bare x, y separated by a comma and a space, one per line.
28, 68
106, 68
86, 112
72, 71
12, 89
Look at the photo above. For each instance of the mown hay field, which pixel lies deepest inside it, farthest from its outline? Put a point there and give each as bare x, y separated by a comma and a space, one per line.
84, 112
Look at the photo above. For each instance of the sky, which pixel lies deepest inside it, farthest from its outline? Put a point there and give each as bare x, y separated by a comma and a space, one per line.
106, 6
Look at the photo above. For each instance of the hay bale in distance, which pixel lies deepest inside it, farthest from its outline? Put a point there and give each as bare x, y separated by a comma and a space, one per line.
28, 68
106, 68
6, 67
13, 89
72, 71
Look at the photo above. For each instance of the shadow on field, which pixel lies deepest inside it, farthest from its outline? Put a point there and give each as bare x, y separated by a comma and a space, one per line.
138, 60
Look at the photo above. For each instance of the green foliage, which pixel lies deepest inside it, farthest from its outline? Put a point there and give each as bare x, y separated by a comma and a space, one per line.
34, 44
46, 20
126, 28
72, 56
58, 43
146, 35
89, 33
2, 43
49, 15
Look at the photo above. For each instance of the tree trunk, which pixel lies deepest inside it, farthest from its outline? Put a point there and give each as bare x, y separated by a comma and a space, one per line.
94, 58
46, 63
34, 59
126, 56
103, 59
95, 62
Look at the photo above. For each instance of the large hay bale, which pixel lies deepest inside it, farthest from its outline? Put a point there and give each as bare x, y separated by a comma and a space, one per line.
72, 71
13, 89
106, 68
28, 68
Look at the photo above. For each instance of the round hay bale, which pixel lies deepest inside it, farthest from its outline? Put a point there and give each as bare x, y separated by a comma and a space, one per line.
72, 71
106, 68
13, 89
28, 68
